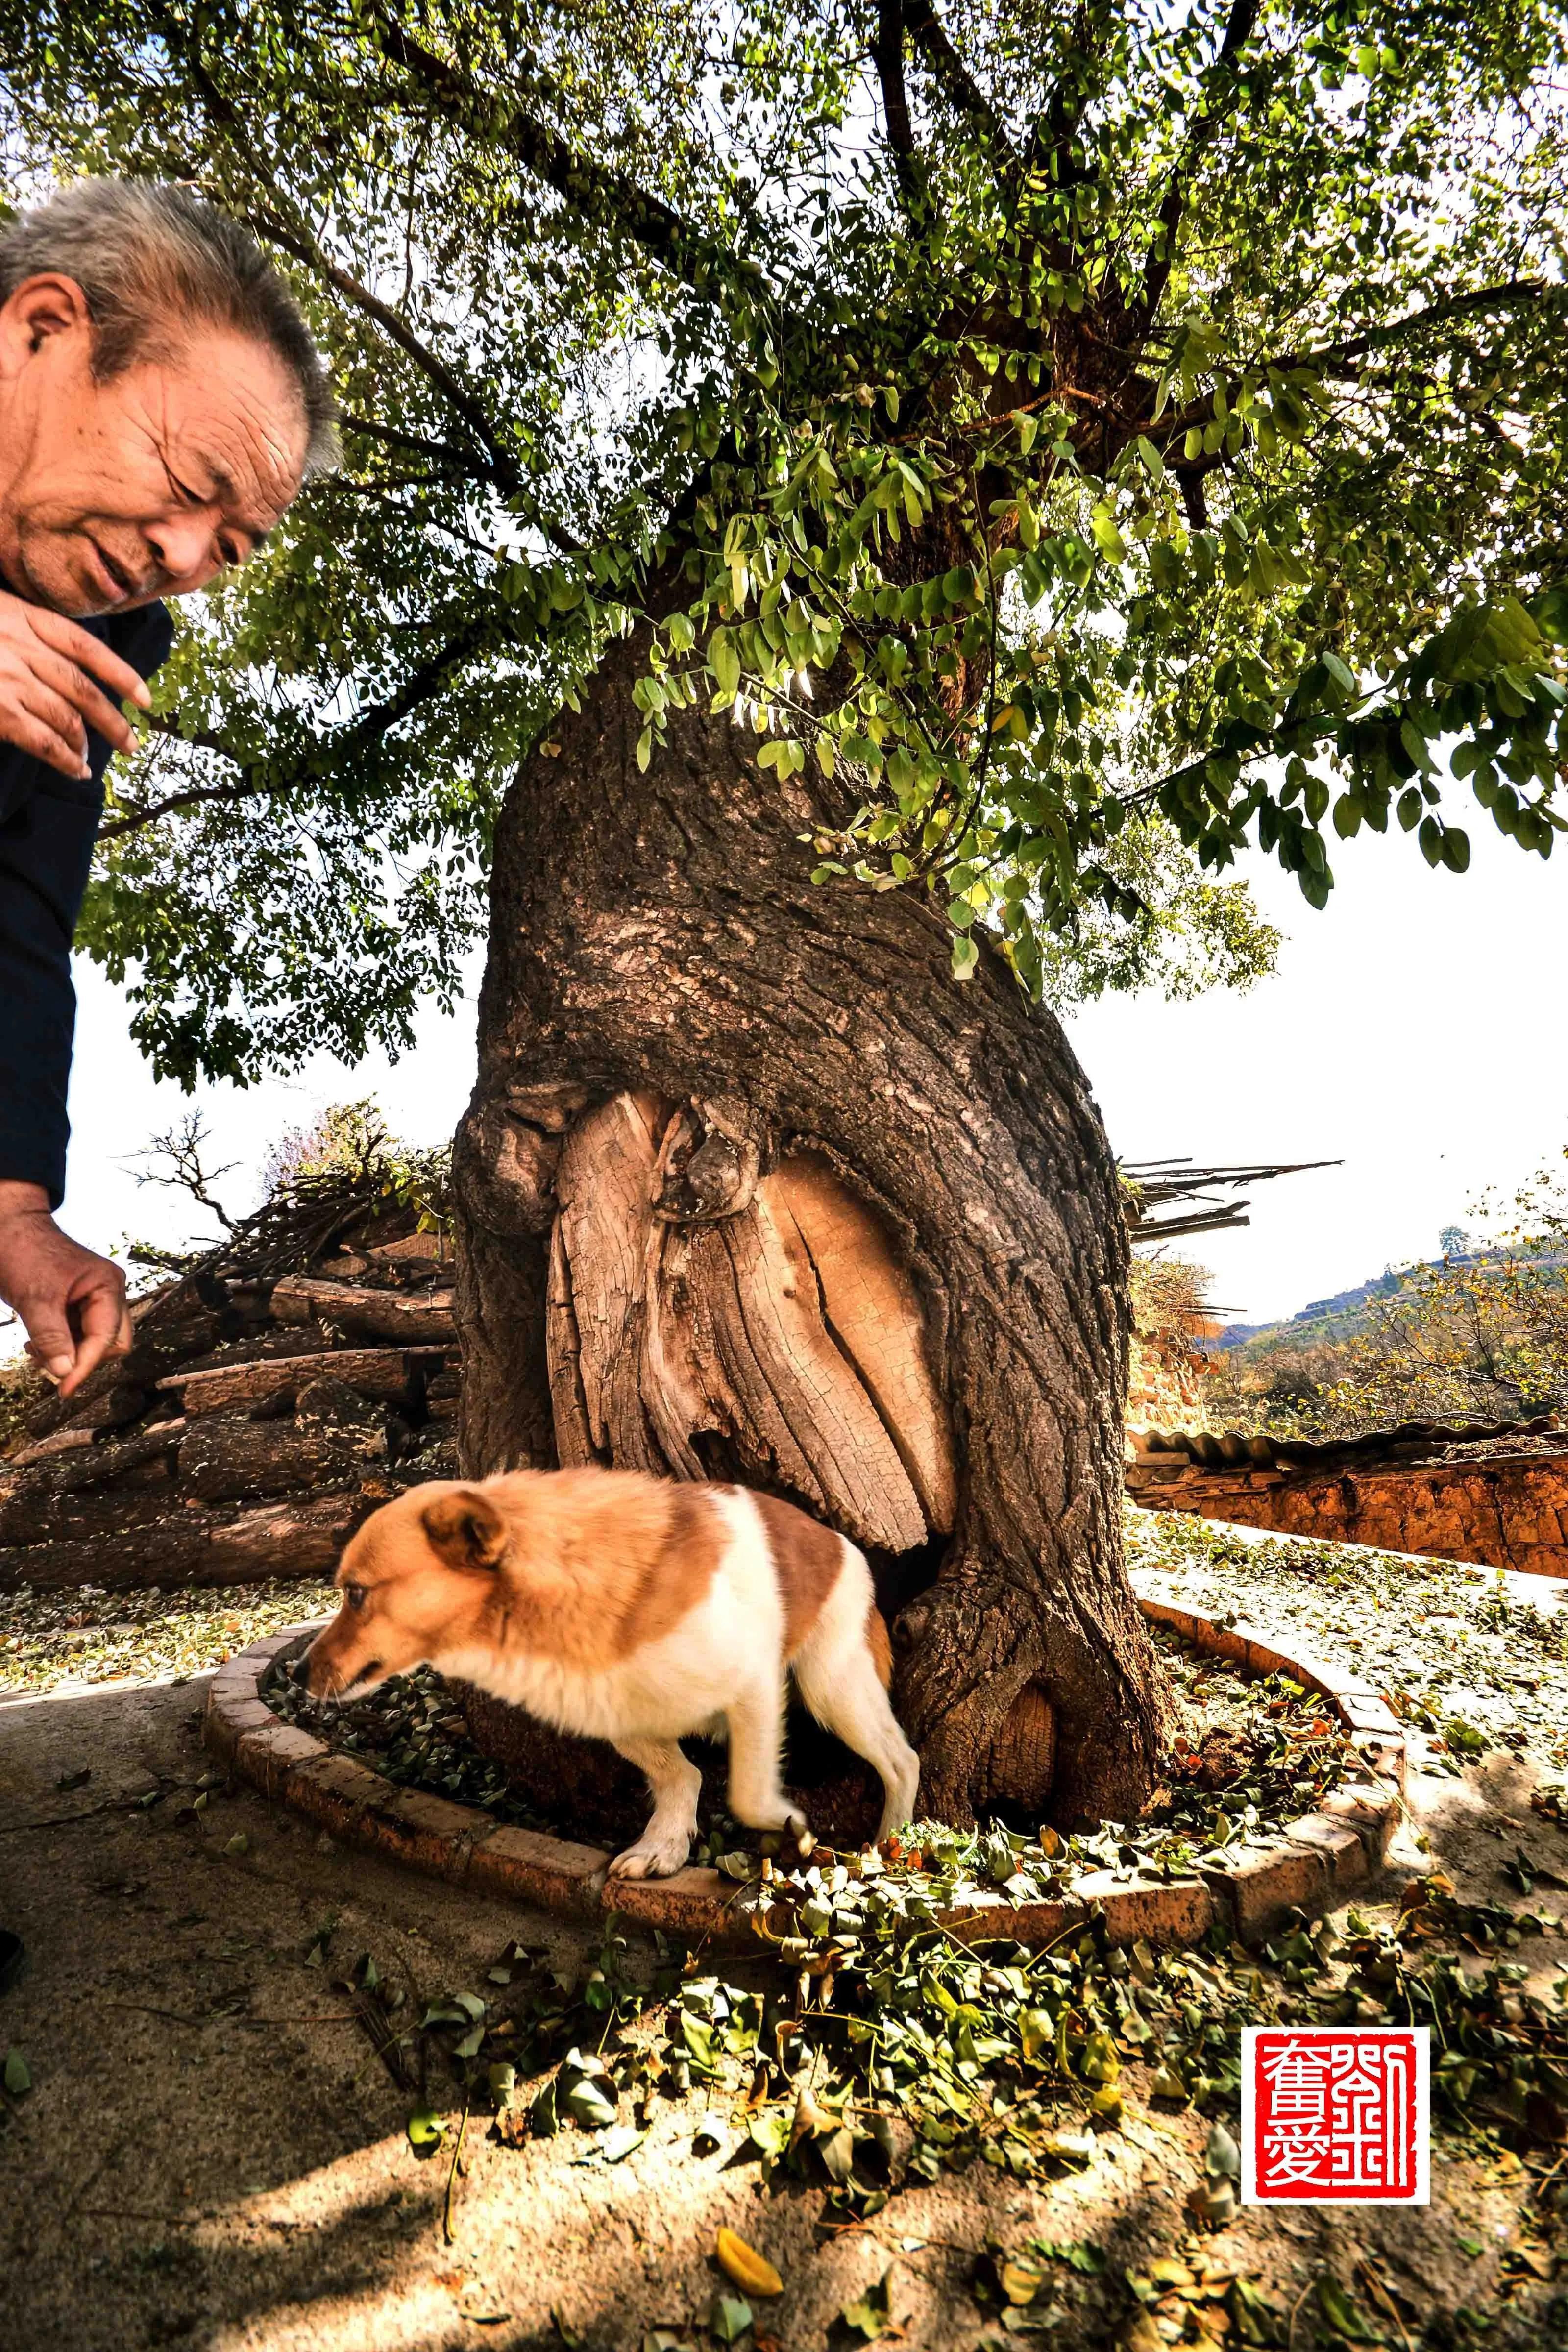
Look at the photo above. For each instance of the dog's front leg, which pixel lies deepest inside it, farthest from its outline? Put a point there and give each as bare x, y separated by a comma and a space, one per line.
676, 1784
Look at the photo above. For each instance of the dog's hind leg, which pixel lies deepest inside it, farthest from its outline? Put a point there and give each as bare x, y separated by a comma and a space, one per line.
676, 1784
836, 1675
756, 1736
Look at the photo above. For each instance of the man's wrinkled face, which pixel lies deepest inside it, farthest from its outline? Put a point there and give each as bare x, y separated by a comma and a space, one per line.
148, 485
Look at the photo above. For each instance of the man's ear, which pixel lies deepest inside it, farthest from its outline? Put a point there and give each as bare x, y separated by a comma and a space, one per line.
465, 1529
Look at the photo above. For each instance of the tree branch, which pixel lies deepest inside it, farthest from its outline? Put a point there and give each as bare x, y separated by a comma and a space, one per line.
1485, 298
887, 56
256, 779
593, 191
1222, 80
504, 472
468, 461
952, 77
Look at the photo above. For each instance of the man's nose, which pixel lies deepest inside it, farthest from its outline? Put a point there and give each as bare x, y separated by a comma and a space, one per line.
185, 547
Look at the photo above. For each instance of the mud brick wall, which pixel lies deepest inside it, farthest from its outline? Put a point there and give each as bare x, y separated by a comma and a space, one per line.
1508, 1510
1166, 1382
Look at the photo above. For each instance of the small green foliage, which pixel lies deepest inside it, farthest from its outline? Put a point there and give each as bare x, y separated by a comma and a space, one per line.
869, 2314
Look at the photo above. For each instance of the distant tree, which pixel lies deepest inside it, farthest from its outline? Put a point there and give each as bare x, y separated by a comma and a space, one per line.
1482, 1334
843, 496
1454, 1242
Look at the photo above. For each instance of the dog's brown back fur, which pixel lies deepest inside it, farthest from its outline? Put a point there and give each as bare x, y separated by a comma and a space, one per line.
806, 1560
589, 1565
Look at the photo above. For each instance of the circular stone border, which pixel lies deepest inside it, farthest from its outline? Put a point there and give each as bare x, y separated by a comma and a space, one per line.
1313, 1864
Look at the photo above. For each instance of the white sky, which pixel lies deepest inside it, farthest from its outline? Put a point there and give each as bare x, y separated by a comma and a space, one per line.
1415, 1031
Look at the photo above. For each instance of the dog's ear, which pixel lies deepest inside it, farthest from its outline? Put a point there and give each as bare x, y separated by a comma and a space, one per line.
465, 1529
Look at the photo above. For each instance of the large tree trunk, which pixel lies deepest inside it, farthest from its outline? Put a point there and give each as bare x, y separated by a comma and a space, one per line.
750, 1187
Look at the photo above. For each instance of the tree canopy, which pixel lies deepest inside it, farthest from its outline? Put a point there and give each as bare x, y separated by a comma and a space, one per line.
1101, 438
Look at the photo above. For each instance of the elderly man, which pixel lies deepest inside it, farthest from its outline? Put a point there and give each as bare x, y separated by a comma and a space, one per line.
161, 403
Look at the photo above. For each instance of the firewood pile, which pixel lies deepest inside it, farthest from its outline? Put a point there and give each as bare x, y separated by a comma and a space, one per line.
278, 1391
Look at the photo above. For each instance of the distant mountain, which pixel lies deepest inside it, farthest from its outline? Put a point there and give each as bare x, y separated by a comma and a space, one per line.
1345, 1304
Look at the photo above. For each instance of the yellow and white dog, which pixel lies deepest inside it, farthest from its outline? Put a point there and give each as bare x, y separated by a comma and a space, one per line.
635, 1610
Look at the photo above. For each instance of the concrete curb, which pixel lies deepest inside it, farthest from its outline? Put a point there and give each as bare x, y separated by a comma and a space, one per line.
1315, 1863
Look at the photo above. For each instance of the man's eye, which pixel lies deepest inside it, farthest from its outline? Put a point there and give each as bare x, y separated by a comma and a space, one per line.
355, 1595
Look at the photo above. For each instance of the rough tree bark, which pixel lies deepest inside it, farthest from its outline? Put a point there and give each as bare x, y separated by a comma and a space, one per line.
750, 1187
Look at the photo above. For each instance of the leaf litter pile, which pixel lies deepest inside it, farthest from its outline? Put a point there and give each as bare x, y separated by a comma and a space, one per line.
867, 2050
1255, 1754
86, 1634
1461, 1661
877, 2052
870, 2050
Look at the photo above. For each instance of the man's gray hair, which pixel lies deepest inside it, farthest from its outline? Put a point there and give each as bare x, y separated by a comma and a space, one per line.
150, 258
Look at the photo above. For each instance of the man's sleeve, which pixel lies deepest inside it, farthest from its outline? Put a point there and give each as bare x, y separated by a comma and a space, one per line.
45, 854
45, 851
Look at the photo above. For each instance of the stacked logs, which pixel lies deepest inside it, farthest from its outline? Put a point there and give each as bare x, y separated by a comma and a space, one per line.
257, 1421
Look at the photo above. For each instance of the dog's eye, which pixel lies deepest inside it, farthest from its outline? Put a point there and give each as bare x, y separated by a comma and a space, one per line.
355, 1595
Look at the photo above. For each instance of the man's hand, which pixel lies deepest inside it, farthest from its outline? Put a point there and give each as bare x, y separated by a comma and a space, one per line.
72, 1303
47, 701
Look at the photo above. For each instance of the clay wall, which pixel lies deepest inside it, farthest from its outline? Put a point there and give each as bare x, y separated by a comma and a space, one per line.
1509, 1510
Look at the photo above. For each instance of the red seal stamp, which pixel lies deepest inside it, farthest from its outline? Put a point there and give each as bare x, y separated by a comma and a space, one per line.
1333, 2114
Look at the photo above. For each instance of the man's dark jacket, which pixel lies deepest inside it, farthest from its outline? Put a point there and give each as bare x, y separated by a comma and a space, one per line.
47, 827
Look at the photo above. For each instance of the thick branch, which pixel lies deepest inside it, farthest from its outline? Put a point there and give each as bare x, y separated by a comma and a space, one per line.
1239, 31
952, 77
503, 471
592, 190
887, 56
257, 779
466, 461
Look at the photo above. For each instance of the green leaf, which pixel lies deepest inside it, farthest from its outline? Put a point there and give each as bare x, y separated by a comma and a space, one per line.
1106, 536
1344, 2313
1484, 638
1037, 2033
724, 661
16, 2073
587, 2103
424, 2130
965, 958
728, 2318
870, 2313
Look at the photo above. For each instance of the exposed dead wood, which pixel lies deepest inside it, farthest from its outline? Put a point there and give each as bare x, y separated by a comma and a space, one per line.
873, 1308
857, 1478
39, 1515
414, 1249
604, 1187
229, 1459
1022, 1757
383, 1314
389, 1372
192, 1546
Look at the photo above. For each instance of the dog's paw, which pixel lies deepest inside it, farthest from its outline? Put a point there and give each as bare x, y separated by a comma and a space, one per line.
652, 1857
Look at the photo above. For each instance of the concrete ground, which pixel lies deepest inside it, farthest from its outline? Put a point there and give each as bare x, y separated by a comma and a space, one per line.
211, 2156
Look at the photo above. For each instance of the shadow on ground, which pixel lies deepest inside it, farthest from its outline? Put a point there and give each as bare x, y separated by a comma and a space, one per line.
212, 2156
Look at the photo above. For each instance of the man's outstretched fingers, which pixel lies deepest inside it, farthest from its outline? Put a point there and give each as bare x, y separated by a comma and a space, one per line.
71, 1301
99, 1311
89, 653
